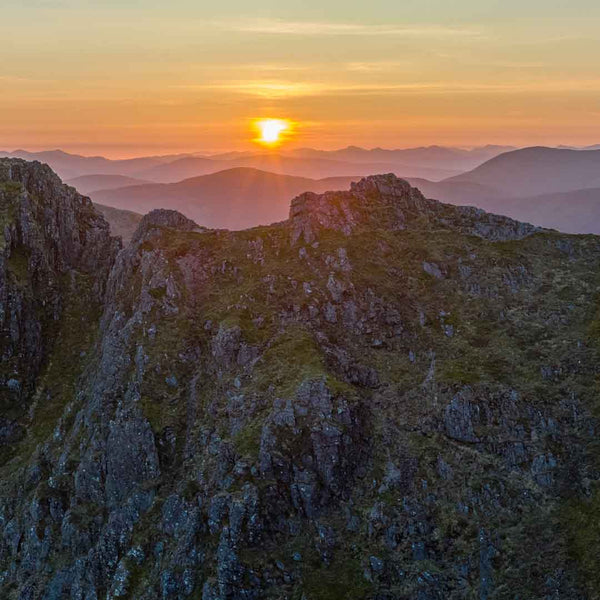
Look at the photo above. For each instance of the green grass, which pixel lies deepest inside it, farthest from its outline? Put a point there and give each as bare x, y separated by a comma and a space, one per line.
247, 441
159, 292
11, 188
581, 520
9, 192
18, 266
72, 337
293, 357
343, 579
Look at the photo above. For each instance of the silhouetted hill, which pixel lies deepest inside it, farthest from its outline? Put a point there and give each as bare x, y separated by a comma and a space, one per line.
68, 166
434, 162
233, 199
122, 222
87, 184
440, 158
538, 170
575, 211
455, 192
242, 197
313, 168
182, 168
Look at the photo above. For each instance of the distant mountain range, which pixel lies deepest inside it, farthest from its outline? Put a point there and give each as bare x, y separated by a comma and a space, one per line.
232, 199
428, 156
552, 187
86, 184
122, 222
434, 162
68, 166
539, 170
312, 168
576, 211
543, 186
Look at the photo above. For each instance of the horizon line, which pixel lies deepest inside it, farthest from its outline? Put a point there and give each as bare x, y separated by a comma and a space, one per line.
260, 151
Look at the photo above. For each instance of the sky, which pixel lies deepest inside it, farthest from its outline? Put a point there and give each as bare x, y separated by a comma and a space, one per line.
130, 77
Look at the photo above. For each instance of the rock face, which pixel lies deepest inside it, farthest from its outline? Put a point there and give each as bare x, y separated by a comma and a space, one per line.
50, 237
386, 202
383, 397
163, 218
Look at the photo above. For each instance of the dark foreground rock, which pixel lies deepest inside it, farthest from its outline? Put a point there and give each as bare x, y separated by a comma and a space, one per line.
383, 397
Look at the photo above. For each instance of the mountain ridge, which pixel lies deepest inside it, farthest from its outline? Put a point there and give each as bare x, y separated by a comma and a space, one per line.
432, 162
87, 184
381, 397
537, 170
252, 197
235, 196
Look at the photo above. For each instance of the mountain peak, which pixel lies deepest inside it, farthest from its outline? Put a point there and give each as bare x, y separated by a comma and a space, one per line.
162, 217
388, 202
360, 207
386, 185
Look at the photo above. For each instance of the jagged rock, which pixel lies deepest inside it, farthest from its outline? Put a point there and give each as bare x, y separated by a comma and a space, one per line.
131, 457
433, 270
48, 235
384, 201
239, 419
159, 218
459, 418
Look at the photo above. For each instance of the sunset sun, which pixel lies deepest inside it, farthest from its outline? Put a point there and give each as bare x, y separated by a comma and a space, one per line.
271, 131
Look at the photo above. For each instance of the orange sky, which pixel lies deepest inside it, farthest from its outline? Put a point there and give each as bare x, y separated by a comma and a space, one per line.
138, 77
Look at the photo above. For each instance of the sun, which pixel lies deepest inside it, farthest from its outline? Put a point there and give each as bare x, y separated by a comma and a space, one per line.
271, 131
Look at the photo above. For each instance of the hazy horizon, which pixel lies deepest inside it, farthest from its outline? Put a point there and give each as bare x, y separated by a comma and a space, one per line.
131, 78
287, 149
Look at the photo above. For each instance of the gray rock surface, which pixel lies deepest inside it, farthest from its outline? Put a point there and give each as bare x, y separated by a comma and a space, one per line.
404, 409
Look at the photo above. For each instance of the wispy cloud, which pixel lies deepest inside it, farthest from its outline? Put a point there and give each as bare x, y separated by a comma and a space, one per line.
263, 89
16, 79
287, 89
254, 67
325, 28
378, 66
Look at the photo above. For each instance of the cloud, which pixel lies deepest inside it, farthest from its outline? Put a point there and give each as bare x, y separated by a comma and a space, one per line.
307, 28
266, 66
378, 66
16, 79
263, 89
279, 89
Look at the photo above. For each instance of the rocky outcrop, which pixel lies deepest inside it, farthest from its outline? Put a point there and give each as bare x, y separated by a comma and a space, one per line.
386, 202
51, 238
163, 218
394, 406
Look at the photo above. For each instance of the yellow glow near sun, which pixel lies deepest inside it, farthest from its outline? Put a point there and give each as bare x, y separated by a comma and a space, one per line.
271, 131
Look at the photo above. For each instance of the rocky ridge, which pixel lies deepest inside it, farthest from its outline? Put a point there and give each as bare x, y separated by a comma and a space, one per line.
382, 397
53, 244
389, 203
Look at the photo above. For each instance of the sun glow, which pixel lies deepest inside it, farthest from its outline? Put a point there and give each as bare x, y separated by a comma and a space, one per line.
271, 131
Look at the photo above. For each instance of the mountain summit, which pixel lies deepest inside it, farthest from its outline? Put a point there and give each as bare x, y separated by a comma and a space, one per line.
387, 202
381, 397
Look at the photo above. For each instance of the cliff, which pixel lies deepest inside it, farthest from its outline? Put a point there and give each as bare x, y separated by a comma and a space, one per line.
54, 249
381, 397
